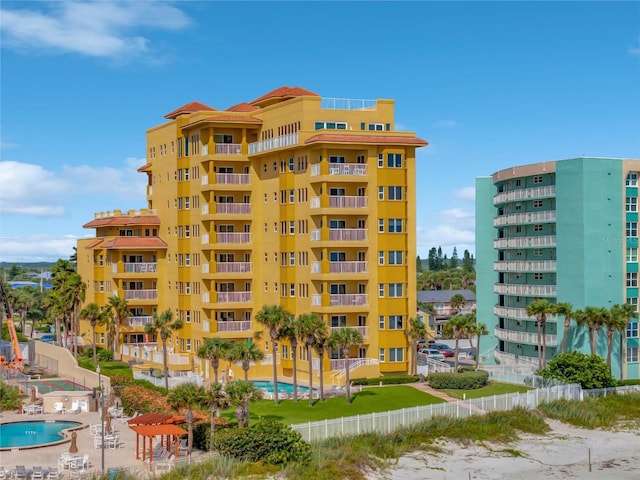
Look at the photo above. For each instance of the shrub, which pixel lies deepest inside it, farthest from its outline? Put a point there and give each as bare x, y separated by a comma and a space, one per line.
267, 441
629, 381
389, 380
201, 432
9, 397
590, 371
459, 381
141, 399
105, 355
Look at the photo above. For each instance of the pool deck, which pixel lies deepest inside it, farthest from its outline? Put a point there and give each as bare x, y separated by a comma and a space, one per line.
123, 457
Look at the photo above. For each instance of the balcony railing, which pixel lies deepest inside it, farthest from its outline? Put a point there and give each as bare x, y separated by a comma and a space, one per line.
233, 237
273, 143
341, 202
348, 267
348, 104
525, 266
140, 294
139, 321
233, 208
524, 337
340, 300
234, 326
348, 169
348, 234
505, 358
516, 313
526, 290
233, 267
524, 242
233, 178
524, 218
364, 331
232, 297
228, 148
143, 267
525, 193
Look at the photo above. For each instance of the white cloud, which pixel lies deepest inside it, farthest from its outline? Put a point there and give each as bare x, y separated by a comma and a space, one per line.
635, 50
454, 227
466, 194
123, 183
97, 29
36, 248
445, 123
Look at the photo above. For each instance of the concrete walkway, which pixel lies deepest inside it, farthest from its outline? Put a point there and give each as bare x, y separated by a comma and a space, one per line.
424, 387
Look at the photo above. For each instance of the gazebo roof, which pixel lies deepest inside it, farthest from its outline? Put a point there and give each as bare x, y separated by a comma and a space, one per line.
153, 430
150, 419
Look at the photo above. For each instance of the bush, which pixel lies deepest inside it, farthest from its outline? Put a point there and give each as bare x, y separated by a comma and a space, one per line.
459, 381
267, 441
141, 399
201, 432
389, 380
9, 397
629, 381
590, 371
105, 355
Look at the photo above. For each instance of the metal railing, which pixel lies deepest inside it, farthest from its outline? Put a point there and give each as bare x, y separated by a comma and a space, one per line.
234, 326
228, 149
273, 143
348, 104
142, 267
524, 337
525, 266
233, 208
139, 321
233, 267
233, 178
526, 290
141, 294
525, 242
524, 218
525, 193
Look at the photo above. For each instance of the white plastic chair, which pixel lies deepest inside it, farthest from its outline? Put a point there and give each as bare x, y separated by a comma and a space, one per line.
58, 407
53, 474
36, 472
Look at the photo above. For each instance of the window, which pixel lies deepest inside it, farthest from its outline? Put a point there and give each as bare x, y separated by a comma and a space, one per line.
381, 290
395, 257
380, 193
537, 179
380, 258
632, 279
395, 322
632, 329
396, 354
632, 229
537, 252
537, 228
632, 354
632, 179
375, 127
632, 204
632, 254
395, 193
538, 276
633, 301
380, 225
292, 227
381, 322
394, 160
292, 289
395, 290
292, 195
395, 225
291, 164
292, 258
331, 125
380, 160
381, 355
537, 204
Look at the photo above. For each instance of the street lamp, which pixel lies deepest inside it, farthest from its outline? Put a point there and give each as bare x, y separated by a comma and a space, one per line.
101, 414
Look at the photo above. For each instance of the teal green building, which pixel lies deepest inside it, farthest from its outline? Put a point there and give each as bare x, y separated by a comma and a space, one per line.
565, 231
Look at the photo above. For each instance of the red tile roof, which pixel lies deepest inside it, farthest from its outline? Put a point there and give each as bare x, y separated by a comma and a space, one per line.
189, 108
281, 94
370, 139
150, 419
123, 221
224, 119
145, 167
94, 243
135, 242
242, 107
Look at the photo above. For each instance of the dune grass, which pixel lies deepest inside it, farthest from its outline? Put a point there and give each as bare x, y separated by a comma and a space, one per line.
494, 388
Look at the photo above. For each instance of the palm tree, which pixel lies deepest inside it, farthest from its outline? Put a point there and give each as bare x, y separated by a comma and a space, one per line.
479, 330
540, 309
343, 339
457, 327
594, 318
246, 352
214, 349
564, 309
162, 325
626, 312
120, 310
241, 393
216, 399
614, 322
24, 298
457, 302
289, 331
93, 315
321, 345
310, 328
187, 396
55, 306
415, 331
68, 284
273, 317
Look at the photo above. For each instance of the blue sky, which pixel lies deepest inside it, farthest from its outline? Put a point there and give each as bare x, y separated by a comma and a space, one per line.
488, 84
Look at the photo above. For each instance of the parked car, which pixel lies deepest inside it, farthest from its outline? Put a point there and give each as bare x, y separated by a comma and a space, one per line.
432, 353
444, 349
48, 338
425, 343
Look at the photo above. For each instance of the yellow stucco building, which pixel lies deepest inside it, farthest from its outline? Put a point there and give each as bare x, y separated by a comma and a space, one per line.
290, 199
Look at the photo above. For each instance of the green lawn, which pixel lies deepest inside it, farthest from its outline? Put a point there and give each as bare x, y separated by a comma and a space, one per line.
495, 388
107, 368
370, 399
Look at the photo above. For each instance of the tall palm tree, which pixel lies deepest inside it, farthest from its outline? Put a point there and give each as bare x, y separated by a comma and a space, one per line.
344, 339
120, 310
457, 327
415, 331
163, 325
24, 298
540, 309
595, 318
479, 330
273, 317
93, 315
627, 313
241, 393
289, 330
187, 396
246, 352
566, 310
68, 284
614, 322
54, 303
216, 399
311, 327
457, 302
321, 345
214, 349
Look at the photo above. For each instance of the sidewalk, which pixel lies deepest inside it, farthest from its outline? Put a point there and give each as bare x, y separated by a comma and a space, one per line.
424, 387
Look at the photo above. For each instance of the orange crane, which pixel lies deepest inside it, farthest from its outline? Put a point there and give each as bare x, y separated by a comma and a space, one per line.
18, 362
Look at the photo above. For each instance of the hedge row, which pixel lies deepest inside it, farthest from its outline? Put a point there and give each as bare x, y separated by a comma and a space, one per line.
391, 380
459, 381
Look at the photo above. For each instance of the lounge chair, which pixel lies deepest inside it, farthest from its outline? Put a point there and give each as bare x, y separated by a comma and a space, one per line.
37, 473
4, 473
22, 472
77, 468
58, 407
75, 407
182, 447
53, 474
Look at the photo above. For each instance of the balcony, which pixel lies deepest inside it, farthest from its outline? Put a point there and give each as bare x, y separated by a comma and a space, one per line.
141, 294
525, 218
348, 299
143, 267
511, 312
138, 321
233, 326
336, 201
364, 331
525, 194
525, 242
524, 337
505, 358
273, 143
233, 179
343, 169
526, 290
348, 104
233, 267
233, 208
233, 237
525, 266
233, 297
223, 149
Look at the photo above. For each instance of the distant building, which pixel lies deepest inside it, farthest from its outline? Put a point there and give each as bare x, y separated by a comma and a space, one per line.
441, 302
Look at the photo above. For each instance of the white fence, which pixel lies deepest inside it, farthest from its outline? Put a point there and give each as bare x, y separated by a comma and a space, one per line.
387, 422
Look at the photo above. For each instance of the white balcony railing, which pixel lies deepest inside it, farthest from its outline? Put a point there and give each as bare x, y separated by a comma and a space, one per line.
525, 193
347, 202
228, 148
524, 218
511, 312
364, 331
348, 267
349, 169
139, 321
141, 294
273, 143
233, 208
232, 297
143, 267
233, 237
348, 104
525, 242
525, 266
233, 267
348, 234
340, 300
524, 337
505, 358
234, 326
233, 178
204, 179
526, 290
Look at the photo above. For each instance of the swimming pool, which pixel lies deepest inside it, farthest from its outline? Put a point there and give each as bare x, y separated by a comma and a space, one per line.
29, 434
267, 386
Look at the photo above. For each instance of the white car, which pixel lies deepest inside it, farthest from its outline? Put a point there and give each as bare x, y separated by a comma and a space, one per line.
432, 353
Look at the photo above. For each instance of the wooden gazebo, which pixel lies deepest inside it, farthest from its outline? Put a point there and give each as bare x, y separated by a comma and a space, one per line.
150, 425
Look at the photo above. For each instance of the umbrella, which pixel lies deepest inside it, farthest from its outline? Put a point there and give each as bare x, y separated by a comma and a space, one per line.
73, 448
107, 418
112, 398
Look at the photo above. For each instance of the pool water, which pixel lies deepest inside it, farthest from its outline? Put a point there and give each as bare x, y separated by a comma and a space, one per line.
26, 434
267, 386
